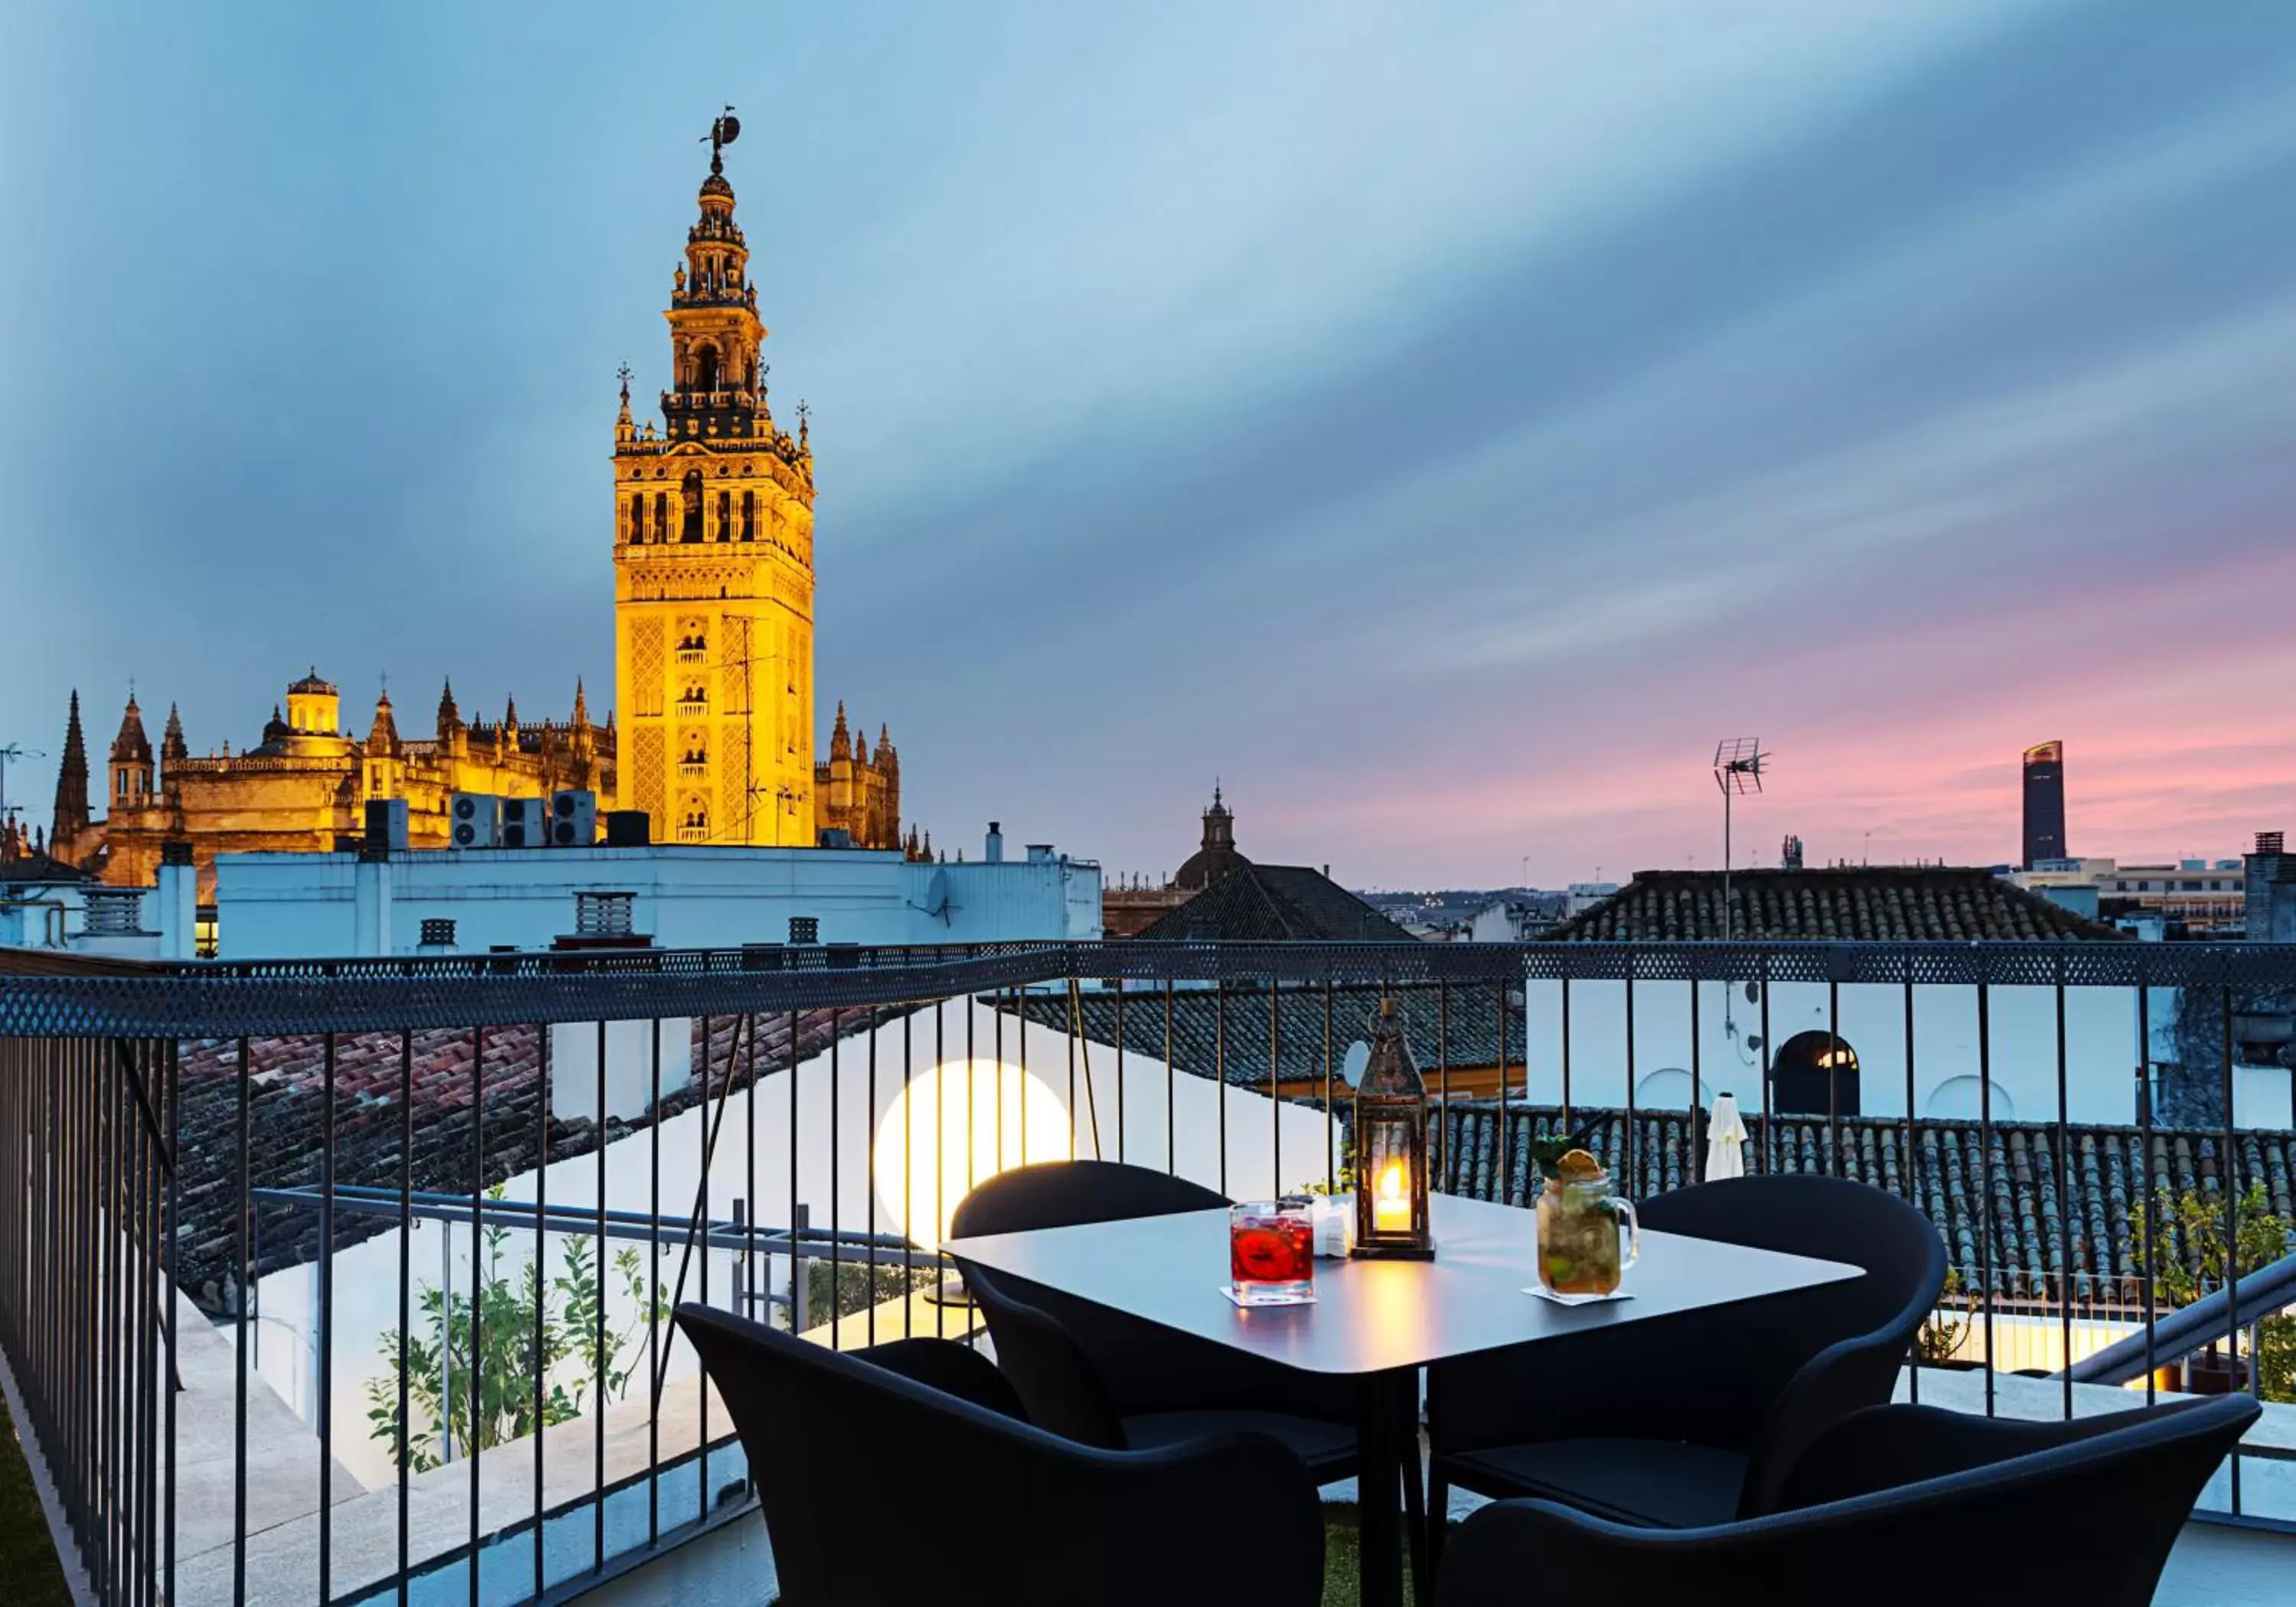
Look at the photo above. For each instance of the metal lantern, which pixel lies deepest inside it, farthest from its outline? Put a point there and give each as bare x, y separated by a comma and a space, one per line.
1390, 1122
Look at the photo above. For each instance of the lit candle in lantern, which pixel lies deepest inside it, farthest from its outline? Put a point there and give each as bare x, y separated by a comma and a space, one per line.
1391, 1206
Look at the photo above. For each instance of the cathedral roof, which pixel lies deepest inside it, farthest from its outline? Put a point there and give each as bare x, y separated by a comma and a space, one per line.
311, 683
1276, 904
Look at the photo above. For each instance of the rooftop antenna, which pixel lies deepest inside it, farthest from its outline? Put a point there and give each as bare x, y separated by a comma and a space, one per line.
1738, 763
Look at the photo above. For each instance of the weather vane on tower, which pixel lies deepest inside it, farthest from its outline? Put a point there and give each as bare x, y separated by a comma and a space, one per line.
724, 131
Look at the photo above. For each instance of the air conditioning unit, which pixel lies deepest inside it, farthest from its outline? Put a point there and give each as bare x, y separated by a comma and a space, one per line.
573, 819
474, 820
525, 823
386, 825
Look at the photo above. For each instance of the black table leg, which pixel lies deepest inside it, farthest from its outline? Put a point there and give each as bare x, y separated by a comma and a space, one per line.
1419, 1524
1379, 1475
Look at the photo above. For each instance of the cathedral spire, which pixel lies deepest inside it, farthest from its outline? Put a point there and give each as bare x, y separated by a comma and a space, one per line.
581, 706
172, 746
450, 719
383, 737
840, 739
71, 819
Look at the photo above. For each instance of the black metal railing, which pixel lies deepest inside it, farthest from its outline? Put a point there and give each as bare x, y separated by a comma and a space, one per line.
347, 1279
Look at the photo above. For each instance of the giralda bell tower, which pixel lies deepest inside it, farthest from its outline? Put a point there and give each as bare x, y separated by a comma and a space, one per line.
713, 567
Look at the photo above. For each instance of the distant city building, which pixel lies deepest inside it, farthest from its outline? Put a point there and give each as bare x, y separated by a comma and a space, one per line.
2044, 804
1130, 907
1580, 896
2186, 898
1517, 917
1218, 894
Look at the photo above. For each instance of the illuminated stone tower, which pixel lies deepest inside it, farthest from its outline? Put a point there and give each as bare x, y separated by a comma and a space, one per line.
713, 567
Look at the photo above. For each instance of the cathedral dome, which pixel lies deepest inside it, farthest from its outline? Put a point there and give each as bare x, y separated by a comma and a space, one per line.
717, 188
1218, 857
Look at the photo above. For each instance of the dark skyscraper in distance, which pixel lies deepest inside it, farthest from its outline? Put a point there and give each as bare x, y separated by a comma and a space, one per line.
2044, 803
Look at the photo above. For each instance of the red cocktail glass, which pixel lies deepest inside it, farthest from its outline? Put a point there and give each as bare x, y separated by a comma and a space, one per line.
1271, 1252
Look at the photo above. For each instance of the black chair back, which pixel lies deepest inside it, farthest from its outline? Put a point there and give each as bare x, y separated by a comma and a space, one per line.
1761, 1376
1811, 1359
1067, 1193
2089, 1517
1140, 1367
881, 1491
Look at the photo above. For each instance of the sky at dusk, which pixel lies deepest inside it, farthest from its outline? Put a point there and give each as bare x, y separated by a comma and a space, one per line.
1439, 422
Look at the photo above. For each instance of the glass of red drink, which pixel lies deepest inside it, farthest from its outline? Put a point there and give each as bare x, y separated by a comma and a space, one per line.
1271, 1252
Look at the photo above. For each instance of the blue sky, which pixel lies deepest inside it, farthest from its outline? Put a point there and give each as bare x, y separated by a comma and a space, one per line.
1439, 422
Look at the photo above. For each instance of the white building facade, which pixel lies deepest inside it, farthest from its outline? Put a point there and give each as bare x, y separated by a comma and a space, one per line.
476, 900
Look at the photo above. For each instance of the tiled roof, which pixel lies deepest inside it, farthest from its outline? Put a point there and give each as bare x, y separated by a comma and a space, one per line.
287, 1113
1455, 1026
1276, 902
1853, 904
1945, 1172
39, 869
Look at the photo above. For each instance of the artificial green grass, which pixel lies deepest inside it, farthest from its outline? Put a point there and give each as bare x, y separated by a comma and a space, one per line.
1341, 1547
28, 1556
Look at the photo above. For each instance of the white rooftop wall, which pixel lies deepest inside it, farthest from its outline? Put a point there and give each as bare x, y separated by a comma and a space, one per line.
300, 905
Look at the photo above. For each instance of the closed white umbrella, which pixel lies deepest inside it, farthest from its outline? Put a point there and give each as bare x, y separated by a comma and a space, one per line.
1726, 1140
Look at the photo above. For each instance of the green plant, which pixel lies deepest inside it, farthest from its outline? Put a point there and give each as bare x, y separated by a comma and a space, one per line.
539, 1349
1941, 1337
857, 1290
1546, 1152
2180, 1234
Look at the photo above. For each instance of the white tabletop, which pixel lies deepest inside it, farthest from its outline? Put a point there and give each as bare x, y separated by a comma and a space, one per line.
1371, 1316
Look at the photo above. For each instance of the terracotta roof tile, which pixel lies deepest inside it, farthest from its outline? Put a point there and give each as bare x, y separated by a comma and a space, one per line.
1855, 903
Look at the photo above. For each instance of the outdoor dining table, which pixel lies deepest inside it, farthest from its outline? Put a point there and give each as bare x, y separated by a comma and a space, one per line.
1379, 1321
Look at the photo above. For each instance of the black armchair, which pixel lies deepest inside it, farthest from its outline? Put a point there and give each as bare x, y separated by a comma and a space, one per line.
1103, 1378
2081, 1511
1694, 1419
872, 1482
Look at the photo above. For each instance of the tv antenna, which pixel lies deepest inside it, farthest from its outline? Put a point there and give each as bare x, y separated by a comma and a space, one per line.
1738, 762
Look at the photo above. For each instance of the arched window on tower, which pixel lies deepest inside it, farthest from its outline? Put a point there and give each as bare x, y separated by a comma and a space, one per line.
690, 489
748, 515
725, 516
637, 517
662, 516
705, 368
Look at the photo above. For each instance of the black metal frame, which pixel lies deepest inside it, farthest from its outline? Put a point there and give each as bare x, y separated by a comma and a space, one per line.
92, 1106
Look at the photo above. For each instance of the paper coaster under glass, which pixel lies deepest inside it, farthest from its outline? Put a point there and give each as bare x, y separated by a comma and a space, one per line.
1253, 1297
1545, 1293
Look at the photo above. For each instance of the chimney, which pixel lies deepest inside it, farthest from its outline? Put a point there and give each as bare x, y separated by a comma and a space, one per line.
996, 854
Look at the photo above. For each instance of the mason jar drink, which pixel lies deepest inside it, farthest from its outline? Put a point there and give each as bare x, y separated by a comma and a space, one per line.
1587, 1235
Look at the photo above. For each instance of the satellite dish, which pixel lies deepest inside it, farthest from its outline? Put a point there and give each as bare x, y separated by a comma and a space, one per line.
1351, 1066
